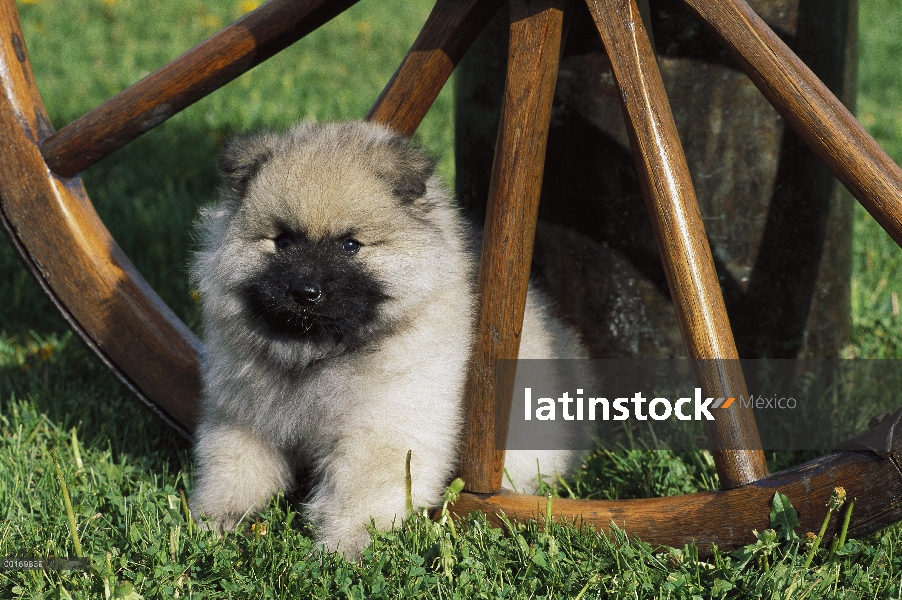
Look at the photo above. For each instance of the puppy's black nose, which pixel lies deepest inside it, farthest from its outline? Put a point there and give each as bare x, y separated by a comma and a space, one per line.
305, 293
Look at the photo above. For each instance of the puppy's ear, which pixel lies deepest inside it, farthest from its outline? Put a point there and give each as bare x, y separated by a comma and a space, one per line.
405, 167
242, 158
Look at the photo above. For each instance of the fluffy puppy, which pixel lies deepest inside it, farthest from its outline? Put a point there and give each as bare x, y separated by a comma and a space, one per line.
336, 279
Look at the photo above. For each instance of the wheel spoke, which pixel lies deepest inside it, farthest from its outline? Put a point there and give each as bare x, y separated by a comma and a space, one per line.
446, 36
221, 58
811, 109
535, 44
680, 233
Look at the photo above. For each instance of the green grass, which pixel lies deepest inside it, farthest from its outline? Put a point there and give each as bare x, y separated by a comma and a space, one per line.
125, 492
877, 265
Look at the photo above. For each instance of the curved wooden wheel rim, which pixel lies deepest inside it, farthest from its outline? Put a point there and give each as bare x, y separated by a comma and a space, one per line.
52, 223
53, 226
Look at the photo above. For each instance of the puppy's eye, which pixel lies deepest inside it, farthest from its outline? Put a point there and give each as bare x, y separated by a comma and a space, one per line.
350, 245
283, 241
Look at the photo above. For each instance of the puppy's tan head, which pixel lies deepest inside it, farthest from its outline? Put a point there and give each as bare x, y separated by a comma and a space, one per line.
326, 237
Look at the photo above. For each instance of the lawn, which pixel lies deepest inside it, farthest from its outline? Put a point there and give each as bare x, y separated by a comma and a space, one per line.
64, 418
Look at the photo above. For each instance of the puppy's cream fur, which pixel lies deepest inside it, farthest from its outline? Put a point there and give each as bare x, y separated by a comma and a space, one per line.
343, 412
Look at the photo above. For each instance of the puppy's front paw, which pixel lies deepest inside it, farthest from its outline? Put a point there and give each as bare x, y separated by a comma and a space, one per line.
237, 474
346, 539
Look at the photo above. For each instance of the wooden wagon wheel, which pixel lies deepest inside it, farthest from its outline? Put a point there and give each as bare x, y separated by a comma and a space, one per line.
50, 220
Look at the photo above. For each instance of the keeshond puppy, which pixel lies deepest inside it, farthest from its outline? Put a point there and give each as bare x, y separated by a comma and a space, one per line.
337, 279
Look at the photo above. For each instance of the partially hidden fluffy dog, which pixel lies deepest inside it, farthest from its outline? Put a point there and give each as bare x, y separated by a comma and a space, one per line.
337, 282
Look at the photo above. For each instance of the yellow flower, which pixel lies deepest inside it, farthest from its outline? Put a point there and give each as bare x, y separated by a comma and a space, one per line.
248, 5
837, 498
46, 351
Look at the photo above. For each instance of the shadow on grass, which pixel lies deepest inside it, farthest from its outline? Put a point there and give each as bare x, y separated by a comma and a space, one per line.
73, 389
